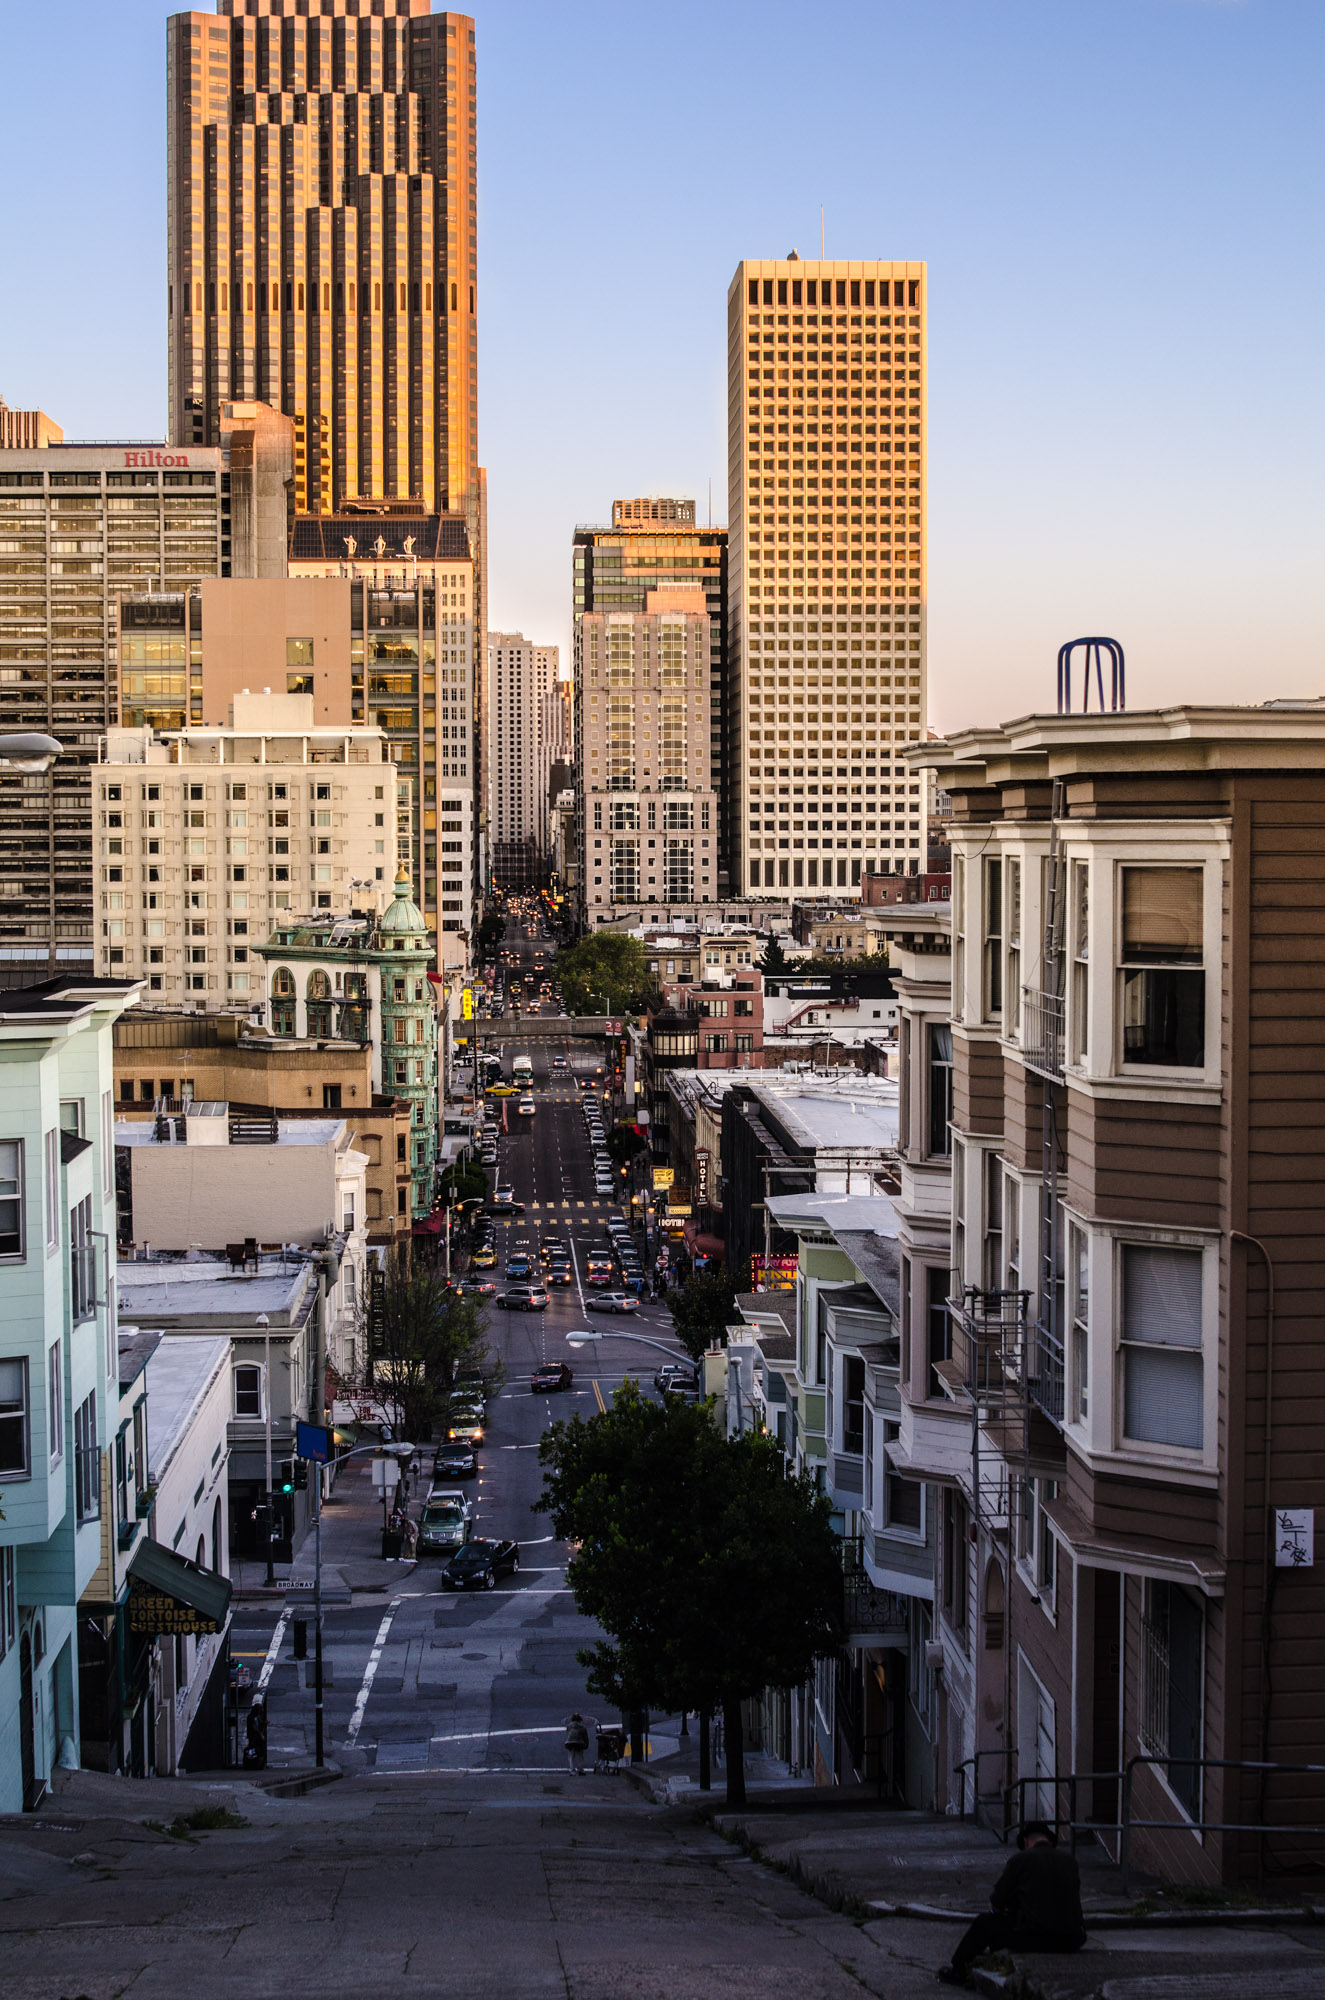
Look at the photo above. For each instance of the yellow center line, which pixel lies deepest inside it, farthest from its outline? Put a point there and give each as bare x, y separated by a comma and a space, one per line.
599, 1395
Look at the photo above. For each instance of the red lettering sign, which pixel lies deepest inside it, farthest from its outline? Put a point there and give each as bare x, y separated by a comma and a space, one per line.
144, 460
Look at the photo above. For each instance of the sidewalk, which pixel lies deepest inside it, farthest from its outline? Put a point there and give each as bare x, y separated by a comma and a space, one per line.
352, 1561
889, 1867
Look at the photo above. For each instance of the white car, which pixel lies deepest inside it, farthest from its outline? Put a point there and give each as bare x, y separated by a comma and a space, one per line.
525, 1107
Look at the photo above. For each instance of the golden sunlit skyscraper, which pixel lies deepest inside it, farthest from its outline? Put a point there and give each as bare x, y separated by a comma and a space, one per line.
826, 573
323, 240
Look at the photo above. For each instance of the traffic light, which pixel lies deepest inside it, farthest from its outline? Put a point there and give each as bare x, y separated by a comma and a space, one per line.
285, 1477
300, 1475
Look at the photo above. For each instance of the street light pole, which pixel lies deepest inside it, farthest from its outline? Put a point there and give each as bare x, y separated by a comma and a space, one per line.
265, 1324
590, 1339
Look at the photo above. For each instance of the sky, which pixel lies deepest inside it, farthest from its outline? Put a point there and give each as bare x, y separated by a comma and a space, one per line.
1120, 205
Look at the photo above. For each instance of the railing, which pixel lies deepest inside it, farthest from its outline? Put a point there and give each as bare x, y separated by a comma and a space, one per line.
989, 1343
1042, 1032
1011, 1796
1048, 1383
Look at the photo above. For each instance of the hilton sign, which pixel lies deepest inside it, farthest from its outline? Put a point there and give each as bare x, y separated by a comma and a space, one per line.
143, 459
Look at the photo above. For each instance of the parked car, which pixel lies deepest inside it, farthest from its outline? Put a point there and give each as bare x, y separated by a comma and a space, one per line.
552, 1376
612, 1302
454, 1461
524, 1298
464, 1428
482, 1288
675, 1375
479, 1563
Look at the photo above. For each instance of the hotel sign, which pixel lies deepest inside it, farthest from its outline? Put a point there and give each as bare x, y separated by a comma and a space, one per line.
144, 460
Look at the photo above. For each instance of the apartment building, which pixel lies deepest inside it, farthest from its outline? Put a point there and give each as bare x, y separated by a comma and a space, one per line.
826, 629
648, 813
368, 979
58, 1356
204, 837
1109, 1354
653, 544
523, 678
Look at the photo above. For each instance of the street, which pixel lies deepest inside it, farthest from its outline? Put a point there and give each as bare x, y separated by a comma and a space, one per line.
418, 1677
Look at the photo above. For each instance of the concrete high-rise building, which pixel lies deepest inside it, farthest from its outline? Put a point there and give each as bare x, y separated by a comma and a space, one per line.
521, 675
646, 807
556, 751
826, 629
205, 837
651, 543
323, 239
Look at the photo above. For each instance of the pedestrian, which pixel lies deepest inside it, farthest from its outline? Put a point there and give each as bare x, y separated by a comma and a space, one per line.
577, 1742
1035, 1905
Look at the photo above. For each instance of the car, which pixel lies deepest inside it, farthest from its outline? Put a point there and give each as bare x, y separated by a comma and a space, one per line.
503, 1194
505, 1210
454, 1461
464, 1427
524, 1298
502, 1090
526, 1107
479, 1563
552, 1376
560, 1274
444, 1523
612, 1302
675, 1375
482, 1288
602, 1185
553, 1246
518, 1266
560, 1062
598, 1271
484, 1257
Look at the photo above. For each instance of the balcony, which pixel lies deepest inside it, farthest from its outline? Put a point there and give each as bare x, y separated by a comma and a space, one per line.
870, 1615
1042, 1032
990, 1345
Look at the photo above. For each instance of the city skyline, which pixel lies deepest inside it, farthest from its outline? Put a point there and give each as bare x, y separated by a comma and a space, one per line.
1152, 469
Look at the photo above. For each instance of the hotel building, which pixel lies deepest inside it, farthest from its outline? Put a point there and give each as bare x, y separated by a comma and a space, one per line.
826, 618
522, 676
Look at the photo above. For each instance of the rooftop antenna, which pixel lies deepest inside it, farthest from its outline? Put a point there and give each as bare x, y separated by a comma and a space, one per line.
1093, 659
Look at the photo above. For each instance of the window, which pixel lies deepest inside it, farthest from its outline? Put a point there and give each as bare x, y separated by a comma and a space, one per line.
82, 1260
8, 1599
87, 1461
55, 1399
331, 1096
71, 1116
248, 1390
14, 1417
1163, 977
958, 937
1163, 1366
940, 1090
1012, 919
1079, 917
992, 997
11, 1197
1037, 1551
347, 1213
1078, 1263
992, 1174
938, 1324
52, 1155
853, 1403
299, 652
955, 1556
1172, 1687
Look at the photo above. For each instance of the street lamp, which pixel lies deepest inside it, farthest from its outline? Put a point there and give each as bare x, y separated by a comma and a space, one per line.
585, 1336
29, 751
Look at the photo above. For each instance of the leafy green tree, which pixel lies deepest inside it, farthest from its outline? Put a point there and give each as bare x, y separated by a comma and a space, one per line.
704, 1307
607, 966
426, 1333
774, 958
713, 1573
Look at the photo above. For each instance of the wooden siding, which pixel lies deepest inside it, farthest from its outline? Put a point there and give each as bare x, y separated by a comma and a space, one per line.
1135, 1161
977, 1084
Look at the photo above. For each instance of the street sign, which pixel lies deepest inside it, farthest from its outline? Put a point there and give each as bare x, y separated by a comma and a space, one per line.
386, 1474
663, 1177
312, 1441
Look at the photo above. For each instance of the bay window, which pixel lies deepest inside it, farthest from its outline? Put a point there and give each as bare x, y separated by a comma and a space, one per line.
1163, 968
1163, 1366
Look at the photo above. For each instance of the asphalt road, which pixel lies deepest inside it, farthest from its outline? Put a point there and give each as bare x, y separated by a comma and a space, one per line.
428, 1679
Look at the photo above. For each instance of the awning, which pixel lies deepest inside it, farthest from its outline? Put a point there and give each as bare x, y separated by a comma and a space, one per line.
169, 1594
432, 1225
706, 1245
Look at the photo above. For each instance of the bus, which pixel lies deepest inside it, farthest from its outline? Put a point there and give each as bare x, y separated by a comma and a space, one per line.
522, 1071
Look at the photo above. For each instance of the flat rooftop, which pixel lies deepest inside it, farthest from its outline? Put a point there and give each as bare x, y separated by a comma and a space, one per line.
152, 1293
180, 1371
292, 1131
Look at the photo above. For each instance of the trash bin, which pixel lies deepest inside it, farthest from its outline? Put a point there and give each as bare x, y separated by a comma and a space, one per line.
391, 1544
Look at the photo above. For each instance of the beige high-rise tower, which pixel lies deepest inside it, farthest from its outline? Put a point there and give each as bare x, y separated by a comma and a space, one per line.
323, 239
826, 573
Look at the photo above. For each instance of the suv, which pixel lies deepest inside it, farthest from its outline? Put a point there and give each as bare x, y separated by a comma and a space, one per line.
524, 1298
444, 1523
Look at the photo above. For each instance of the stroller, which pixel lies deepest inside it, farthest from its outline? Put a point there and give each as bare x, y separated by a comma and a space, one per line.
610, 1748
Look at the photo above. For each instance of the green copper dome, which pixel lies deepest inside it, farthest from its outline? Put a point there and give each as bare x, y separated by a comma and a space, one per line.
403, 915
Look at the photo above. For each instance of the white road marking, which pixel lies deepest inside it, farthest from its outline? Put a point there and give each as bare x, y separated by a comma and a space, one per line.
481, 1735
273, 1651
374, 1658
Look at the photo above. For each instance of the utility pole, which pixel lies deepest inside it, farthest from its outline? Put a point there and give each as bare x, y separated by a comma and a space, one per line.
265, 1324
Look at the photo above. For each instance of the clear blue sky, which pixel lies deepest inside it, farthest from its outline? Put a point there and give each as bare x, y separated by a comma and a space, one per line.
1120, 202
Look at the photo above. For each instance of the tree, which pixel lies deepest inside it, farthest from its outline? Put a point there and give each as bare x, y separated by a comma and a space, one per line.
774, 958
703, 1308
713, 1573
424, 1332
608, 966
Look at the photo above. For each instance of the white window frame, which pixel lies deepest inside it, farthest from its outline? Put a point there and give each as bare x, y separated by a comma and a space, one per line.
20, 1412
51, 1188
1101, 1435
19, 1197
248, 1416
55, 1399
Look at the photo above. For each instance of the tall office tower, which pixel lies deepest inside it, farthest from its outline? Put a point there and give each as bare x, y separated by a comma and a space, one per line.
646, 807
556, 748
323, 249
651, 543
826, 631
520, 675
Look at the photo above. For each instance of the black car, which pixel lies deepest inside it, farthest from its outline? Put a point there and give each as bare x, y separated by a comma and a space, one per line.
455, 1461
552, 1375
560, 1274
479, 1563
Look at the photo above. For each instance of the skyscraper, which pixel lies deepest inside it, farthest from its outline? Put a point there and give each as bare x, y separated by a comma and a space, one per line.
826, 621
323, 239
521, 674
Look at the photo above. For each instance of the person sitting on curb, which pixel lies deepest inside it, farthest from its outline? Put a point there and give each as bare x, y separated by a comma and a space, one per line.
1035, 1905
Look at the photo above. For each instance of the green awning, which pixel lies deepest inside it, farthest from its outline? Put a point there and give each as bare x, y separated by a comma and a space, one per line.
169, 1594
